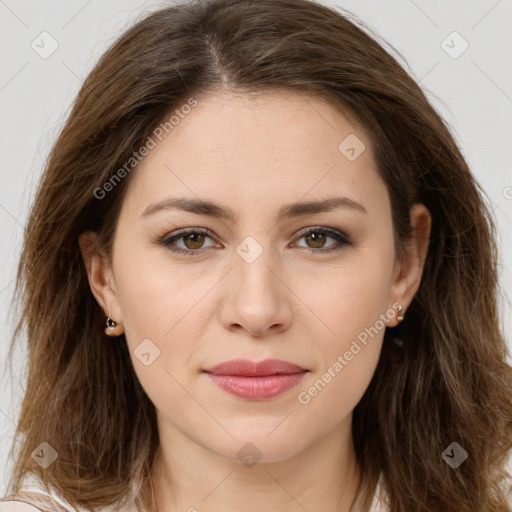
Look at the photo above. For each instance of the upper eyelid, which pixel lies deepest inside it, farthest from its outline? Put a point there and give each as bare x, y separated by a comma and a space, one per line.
325, 229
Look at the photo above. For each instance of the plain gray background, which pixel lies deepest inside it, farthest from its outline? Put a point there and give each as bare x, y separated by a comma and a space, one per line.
472, 89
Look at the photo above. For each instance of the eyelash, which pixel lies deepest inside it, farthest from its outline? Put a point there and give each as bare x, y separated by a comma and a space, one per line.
341, 239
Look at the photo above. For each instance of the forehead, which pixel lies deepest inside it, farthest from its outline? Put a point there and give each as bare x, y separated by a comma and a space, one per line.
258, 149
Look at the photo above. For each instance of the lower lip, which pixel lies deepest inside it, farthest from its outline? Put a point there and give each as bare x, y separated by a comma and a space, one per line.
257, 388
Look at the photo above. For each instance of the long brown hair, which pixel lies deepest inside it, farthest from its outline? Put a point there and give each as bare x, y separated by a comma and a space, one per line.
442, 376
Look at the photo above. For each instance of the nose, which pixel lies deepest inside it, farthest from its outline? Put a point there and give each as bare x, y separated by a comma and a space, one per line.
256, 297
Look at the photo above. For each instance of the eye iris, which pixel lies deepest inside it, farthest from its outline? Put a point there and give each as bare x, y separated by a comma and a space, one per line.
319, 239
194, 236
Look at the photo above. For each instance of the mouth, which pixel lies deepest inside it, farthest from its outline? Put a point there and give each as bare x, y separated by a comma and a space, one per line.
246, 368
256, 381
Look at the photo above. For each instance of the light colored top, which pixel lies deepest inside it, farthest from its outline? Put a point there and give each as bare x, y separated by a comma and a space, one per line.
379, 503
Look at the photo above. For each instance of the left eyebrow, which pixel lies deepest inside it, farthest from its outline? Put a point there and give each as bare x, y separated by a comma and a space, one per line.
215, 210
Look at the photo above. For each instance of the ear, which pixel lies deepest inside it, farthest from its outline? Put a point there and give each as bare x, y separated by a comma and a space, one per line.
99, 274
409, 269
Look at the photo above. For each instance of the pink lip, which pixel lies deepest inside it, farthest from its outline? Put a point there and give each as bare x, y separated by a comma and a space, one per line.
256, 381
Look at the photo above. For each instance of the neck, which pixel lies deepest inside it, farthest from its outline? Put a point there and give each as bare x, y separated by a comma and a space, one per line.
188, 477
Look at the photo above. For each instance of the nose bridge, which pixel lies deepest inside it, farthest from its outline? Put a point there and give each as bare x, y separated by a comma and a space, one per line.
258, 300
252, 269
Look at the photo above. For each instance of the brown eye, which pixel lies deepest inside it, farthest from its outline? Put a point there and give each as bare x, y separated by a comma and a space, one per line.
190, 240
194, 240
318, 240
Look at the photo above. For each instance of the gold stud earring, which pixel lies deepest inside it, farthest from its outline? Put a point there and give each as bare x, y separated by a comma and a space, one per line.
400, 315
112, 327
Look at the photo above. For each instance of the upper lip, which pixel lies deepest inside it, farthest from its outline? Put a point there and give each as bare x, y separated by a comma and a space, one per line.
246, 368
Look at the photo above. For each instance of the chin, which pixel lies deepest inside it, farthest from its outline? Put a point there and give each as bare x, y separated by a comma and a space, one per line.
255, 445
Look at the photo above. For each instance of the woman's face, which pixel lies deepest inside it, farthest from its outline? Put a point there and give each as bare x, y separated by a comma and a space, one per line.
254, 287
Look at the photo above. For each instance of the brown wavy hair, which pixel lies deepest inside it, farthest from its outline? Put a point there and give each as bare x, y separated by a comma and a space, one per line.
442, 376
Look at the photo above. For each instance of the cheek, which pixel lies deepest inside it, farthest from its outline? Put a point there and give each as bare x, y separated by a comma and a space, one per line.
160, 306
154, 293
332, 394
160, 313
352, 308
348, 297
348, 353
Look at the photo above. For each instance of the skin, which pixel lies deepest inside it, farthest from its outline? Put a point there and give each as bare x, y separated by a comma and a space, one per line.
255, 154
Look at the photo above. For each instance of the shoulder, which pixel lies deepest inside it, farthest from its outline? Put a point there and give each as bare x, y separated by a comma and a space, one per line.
32, 496
380, 501
7, 504
17, 506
